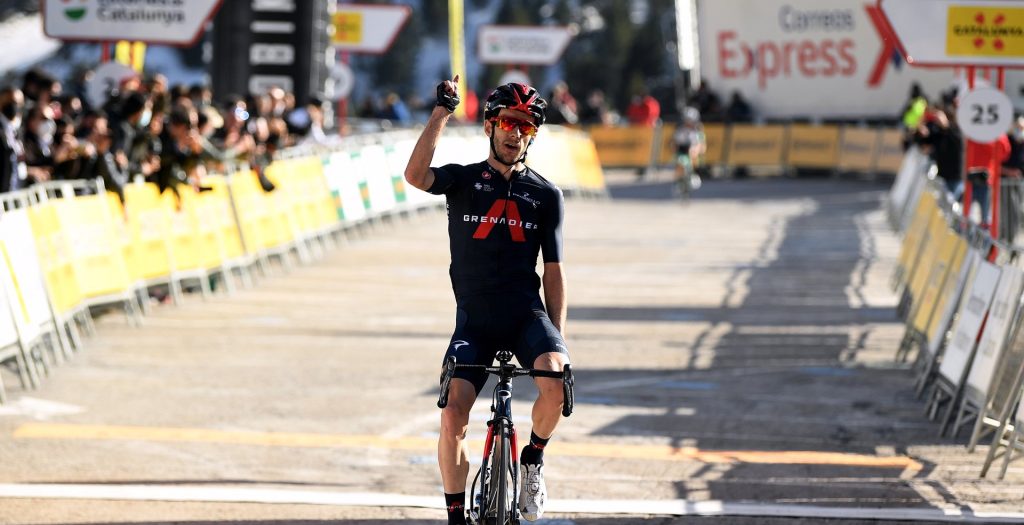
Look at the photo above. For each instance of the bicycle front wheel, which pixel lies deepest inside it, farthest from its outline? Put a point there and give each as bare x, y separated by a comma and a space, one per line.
501, 500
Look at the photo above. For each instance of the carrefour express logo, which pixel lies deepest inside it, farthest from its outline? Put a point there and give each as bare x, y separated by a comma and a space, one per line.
74, 10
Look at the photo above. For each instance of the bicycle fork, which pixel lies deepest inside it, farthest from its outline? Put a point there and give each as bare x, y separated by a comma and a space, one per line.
499, 430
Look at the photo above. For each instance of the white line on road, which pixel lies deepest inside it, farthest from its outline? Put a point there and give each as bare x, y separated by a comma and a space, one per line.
675, 507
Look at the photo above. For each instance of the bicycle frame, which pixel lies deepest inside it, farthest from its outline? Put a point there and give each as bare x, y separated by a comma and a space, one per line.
491, 500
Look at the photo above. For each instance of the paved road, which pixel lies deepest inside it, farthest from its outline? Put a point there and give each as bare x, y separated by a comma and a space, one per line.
736, 349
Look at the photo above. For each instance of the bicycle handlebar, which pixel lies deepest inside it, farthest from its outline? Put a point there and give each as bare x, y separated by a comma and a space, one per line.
565, 375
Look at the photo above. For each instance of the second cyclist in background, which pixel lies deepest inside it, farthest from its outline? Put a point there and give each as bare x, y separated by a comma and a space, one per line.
690, 146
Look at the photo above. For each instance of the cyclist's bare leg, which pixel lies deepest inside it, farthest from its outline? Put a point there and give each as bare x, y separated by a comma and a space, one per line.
547, 410
452, 454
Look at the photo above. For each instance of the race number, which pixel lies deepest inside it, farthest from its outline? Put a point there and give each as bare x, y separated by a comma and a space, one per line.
984, 114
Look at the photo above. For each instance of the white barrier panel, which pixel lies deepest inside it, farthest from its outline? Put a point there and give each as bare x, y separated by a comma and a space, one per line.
909, 170
972, 313
997, 329
953, 292
344, 185
401, 151
372, 162
8, 330
32, 311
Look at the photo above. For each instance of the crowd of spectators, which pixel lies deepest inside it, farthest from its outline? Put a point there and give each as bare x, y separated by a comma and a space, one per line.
932, 126
170, 135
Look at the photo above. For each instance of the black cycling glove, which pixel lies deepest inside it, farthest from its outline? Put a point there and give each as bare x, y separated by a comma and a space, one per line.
447, 100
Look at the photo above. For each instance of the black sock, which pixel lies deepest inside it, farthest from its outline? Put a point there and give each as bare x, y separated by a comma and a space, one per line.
533, 454
456, 504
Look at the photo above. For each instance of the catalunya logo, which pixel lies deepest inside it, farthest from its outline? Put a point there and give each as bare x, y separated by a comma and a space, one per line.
74, 10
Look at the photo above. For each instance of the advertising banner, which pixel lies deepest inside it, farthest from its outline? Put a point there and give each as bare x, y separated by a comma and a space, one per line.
974, 306
997, 329
756, 145
808, 58
813, 146
857, 149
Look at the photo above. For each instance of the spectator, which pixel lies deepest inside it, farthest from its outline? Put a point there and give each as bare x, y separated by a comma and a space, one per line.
739, 110
914, 109
944, 143
472, 106
316, 122
562, 107
12, 156
595, 110
1012, 196
644, 110
37, 139
179, 156
68, 153
395, 110
102, 163
705, 101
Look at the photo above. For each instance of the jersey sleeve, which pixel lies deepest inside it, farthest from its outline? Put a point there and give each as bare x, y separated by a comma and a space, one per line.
551, 243
446, 180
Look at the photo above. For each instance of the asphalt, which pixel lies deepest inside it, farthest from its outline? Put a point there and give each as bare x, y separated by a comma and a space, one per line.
735, 349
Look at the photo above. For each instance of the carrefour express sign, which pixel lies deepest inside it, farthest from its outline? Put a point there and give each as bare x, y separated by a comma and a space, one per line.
176, 22
807, 58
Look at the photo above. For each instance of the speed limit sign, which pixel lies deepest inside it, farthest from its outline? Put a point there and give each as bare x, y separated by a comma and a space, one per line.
984, 114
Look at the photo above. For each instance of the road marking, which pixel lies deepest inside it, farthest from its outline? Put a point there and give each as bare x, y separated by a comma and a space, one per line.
675, 507
39, 408
617, 451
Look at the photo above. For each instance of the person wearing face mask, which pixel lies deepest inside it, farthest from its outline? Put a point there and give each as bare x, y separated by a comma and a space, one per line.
103, 163
129, 134
37, 141
13, 170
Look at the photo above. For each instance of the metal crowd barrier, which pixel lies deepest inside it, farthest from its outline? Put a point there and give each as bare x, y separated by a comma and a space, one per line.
961, 295
69, 247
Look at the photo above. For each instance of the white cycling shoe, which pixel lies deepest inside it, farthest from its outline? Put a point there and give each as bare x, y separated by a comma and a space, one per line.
532, 492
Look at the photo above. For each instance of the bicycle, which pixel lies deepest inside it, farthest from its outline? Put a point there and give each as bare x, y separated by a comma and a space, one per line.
494, 492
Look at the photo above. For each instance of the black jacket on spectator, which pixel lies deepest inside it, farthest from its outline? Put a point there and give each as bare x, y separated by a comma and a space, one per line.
10, 156
947, 152
175, 163
104, 165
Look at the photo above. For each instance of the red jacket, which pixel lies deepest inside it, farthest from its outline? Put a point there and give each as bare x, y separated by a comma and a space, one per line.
989, 156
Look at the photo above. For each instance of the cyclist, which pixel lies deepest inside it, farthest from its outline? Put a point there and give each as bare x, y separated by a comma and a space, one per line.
690, 145
501, 215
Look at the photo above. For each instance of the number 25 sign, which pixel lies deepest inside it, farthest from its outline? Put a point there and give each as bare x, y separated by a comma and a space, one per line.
984, 114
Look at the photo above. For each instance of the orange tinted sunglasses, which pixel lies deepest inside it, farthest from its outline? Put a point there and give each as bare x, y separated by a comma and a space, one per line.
507, 124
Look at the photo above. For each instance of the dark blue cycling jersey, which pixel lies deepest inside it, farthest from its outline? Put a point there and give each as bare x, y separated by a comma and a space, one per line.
497, 228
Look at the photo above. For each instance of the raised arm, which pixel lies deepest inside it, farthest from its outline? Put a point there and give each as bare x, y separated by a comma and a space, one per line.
417, 172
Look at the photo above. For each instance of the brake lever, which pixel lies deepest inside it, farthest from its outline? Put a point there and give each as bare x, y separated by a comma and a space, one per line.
446, 381
567, 394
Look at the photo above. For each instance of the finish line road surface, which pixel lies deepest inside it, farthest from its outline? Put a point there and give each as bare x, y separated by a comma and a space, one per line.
734, 363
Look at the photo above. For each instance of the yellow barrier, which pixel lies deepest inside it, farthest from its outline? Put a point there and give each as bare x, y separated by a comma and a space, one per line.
936, 275
214, 207
890, 150
756, 145
927, 207
813, 146
858, 149
148, 221
926, 261
196, 242
623, 147
55, 257
948, 291
96, 254
845, 148
715, 142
